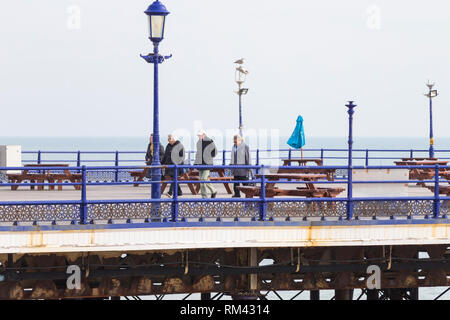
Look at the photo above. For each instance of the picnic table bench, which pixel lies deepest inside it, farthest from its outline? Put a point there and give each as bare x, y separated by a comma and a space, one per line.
190, 175
301, 161
419, 159
45, 175
328, 172
445, 190
422, 174
310, 191
445, 174
139, 175
195, 175
251, 192
421, 163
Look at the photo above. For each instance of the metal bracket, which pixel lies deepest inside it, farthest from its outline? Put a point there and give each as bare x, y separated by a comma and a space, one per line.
155, 58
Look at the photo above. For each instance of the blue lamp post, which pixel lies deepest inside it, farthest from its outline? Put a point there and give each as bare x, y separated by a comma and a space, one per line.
157, 14
431, 94
350, 111
240, 76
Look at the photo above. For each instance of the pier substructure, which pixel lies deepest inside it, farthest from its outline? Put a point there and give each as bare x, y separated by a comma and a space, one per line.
242, 273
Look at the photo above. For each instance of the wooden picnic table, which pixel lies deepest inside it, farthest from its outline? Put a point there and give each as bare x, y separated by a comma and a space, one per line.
190, 175
419, 159
195, 175
45, 175
139, 175
307, 177
286, 168
301, 161
421, 163
422, 174
445, 174
329, 172
310, 191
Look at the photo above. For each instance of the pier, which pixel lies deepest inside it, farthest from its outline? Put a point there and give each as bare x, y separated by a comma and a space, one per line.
129, 245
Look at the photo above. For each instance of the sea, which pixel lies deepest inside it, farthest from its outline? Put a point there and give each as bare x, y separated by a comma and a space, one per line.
135, 146
139, 144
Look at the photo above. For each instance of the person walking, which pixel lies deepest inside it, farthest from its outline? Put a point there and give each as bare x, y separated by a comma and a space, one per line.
174, 154
206, 151
149, 156
240, 155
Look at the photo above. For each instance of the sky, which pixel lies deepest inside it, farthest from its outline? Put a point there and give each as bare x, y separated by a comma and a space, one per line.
72, 68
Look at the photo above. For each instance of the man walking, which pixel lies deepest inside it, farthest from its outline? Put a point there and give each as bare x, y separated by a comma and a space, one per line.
206, 151
174, 155
240, 155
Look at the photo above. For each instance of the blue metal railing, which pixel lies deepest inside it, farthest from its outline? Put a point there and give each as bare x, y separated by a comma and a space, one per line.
261, 156
85, 211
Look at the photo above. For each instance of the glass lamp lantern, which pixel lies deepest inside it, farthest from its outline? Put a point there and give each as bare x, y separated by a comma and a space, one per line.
240, 75
156, 13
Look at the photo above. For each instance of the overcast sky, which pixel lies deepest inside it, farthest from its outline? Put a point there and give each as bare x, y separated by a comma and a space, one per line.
72, 68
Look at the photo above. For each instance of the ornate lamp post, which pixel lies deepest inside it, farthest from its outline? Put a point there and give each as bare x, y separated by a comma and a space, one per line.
431, 94
240, 76
157, 14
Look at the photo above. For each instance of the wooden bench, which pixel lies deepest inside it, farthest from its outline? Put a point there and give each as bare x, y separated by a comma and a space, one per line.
320, 192
421, 174
184, 176
195, 175
445, 190
445, 174
191, 175
60, 178
310, 191
138, 175
251, 192
32, 177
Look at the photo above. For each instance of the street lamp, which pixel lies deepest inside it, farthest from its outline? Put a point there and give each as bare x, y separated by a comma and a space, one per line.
431, 94
157, 14
240, 76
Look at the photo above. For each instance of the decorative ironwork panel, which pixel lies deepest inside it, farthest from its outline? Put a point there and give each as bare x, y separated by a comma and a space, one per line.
445, 207
108, 175
3, 177
393, 208
218, 209
341, 173
117, 211
31, 213
306, 209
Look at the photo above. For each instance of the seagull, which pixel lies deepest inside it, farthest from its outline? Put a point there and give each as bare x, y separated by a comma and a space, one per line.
241, 69
240, 61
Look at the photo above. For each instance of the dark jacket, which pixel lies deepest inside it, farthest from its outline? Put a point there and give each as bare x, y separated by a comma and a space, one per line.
206, 151
241, 156
174, 154
149, 155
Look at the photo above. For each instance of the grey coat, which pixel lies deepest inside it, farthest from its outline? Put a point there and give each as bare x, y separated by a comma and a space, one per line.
240, 157
206, 151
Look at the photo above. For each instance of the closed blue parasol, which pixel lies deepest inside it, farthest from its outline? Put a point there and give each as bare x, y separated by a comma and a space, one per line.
297, 139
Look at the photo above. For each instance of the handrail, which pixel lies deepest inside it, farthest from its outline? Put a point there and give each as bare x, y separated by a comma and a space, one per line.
262, 201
